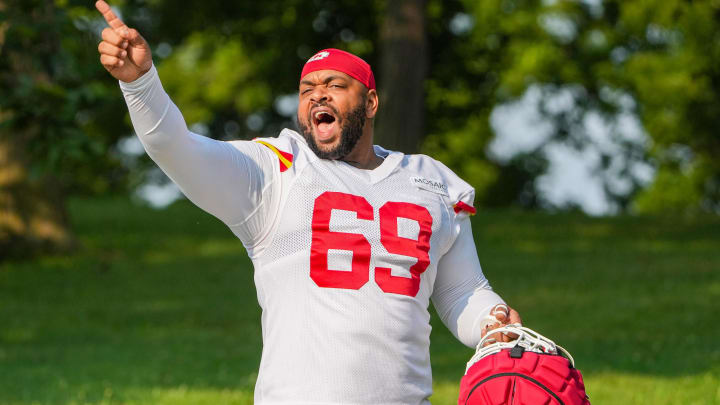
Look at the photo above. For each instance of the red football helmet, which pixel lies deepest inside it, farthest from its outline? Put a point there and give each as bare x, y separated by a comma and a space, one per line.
531, 370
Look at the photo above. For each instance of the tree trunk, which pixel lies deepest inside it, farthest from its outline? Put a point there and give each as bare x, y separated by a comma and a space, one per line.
32, 213
403, 68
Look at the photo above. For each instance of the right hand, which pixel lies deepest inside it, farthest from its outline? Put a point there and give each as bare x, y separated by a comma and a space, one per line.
123, 51
504, 315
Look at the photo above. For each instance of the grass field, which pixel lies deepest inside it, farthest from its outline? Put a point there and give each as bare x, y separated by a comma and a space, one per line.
158, 307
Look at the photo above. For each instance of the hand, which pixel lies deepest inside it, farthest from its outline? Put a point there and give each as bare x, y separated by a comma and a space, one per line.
505, 316
123, 51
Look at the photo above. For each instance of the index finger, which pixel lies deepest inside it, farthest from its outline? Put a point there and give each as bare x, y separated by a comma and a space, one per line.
109, 15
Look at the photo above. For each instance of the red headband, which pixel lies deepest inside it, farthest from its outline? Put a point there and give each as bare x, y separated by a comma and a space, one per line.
335, 59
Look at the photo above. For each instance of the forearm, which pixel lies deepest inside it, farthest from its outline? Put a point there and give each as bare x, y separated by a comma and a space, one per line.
471, 318
463, 296
157, 121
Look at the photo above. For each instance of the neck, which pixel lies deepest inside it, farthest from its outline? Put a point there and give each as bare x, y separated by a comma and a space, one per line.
363, 154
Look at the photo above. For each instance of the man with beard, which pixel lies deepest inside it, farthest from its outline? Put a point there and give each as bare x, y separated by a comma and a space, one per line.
349, 241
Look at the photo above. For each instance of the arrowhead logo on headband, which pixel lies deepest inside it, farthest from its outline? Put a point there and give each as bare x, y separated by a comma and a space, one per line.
336, 59
318, 56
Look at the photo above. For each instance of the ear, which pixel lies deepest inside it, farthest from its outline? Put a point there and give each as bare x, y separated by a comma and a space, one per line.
371, 105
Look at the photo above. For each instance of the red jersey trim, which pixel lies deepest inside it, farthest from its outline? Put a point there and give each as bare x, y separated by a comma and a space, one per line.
461, 206
284, 158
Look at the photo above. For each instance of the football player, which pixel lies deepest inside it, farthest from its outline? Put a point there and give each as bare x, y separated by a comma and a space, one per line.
349, 241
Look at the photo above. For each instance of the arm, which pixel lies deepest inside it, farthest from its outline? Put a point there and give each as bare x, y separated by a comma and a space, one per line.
462, 295
228, 180
232, 181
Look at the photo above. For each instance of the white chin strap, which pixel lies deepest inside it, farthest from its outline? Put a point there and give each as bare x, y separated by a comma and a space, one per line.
528, 339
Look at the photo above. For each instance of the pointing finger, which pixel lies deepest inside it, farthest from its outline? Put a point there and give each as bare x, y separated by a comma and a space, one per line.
109, 15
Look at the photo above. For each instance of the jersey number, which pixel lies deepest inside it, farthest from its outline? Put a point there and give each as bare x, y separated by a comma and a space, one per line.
323, 240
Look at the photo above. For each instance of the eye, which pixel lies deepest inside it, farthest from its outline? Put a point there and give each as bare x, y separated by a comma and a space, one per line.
305, 91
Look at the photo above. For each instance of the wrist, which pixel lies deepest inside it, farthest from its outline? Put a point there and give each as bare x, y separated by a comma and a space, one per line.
141, 81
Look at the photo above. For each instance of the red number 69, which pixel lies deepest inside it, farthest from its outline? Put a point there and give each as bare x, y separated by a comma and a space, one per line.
323, 240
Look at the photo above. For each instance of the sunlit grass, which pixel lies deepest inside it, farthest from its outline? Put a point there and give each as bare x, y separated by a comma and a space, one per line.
159, 307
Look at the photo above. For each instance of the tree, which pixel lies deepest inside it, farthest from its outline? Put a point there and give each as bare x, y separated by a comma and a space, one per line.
230, 63
403, 69
652, 61
462, 89
50, 101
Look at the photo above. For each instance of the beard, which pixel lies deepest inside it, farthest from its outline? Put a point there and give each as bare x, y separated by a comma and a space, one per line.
350, 133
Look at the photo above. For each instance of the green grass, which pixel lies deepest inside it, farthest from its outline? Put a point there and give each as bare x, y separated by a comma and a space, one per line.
158, 307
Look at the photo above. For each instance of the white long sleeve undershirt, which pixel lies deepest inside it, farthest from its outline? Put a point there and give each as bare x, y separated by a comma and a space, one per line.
462, 295
226, 179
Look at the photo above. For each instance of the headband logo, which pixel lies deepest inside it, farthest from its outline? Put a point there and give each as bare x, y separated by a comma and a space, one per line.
318, 56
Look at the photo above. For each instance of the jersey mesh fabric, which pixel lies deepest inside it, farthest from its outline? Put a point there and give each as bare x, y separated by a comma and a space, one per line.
361, 346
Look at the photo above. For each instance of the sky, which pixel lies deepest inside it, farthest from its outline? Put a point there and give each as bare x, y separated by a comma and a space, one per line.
574, 176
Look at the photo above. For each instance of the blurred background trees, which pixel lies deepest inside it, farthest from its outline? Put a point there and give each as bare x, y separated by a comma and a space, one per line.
502, 91
58, 123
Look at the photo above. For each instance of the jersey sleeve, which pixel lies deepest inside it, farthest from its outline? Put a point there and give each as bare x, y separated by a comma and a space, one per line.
234, 181
461, 294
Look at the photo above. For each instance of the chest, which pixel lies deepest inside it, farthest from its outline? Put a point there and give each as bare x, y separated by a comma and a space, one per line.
352, 232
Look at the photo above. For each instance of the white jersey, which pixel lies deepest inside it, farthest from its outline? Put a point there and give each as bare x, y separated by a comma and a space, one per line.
346, 260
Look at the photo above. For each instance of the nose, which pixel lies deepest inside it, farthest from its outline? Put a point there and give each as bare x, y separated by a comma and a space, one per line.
319, 93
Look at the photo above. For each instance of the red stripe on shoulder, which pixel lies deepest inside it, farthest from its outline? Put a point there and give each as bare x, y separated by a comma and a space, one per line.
285, 159
461, 206
289, 157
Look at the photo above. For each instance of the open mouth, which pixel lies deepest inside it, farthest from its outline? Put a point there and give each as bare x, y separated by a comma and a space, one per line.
324, 121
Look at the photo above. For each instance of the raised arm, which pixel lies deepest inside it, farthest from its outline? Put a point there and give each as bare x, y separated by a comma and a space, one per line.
233, 181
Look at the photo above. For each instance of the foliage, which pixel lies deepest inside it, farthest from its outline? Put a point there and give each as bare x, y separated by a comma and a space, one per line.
229, 63
57, 102
158, 307
673, 72
645, 72
460, 90
232, 68
652, 60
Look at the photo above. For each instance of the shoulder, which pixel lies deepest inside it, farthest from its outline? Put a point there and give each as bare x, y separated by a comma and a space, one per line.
289, 147
432, 175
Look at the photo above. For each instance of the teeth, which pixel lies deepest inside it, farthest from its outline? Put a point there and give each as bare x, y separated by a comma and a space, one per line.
319, 113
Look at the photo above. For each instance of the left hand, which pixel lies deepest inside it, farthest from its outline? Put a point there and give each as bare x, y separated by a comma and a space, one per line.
505, 316
123, 51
